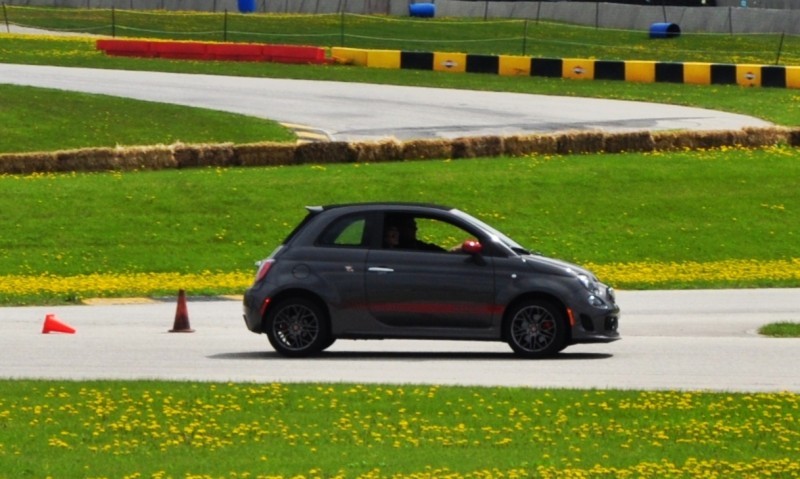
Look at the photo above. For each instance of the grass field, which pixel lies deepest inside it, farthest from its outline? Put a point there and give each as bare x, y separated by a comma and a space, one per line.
162, 430
704, 207
82, 120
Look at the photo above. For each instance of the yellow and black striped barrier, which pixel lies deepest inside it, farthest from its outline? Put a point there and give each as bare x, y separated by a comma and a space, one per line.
576, 68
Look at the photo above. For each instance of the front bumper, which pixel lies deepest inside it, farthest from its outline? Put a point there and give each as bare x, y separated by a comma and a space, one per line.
596, 325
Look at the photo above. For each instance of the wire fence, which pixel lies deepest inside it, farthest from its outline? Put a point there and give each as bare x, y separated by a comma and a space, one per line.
526, 37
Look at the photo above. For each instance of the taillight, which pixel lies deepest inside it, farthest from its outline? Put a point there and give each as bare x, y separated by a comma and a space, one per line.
263, 269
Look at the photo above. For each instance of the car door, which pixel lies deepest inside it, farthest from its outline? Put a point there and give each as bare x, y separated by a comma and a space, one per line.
334, 266
428, 287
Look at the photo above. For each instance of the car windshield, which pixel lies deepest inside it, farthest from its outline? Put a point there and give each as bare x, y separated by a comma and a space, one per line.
516, 247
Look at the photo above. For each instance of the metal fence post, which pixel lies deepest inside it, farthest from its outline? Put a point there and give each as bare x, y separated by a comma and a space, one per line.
341, 28
780, 49
730, 20
596, 14
525, 39
5, 16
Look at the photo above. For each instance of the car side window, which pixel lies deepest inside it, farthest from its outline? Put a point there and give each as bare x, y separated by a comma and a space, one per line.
440, 233
347, 231
421, 233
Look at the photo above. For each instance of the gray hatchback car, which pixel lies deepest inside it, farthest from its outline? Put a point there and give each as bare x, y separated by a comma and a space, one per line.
419, 271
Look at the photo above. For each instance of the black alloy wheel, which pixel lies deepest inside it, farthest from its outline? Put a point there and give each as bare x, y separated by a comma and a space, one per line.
298, 327
536, 328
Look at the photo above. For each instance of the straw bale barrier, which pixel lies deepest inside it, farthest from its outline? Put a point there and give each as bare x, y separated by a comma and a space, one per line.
481, 146
635, 141
794, 137
333, 152
194, 156
747, 137
263, 154
378, 151
156, 157
427, 149
26, 163
524, 145
275, 154
580, 142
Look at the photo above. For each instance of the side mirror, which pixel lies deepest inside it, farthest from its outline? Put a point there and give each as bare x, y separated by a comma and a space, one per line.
472, 247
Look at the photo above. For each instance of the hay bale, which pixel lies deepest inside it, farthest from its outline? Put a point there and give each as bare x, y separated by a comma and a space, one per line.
264, 154
682, 140
462, 148
632, 141
580, 142
427, 149
667, 141
86, 159
476, 147
157, 157
186, 155
523, 145
27, 163
793, 136
220, 154
192, 156
706, 140
761, 137
699, 140
330, 152
374, 152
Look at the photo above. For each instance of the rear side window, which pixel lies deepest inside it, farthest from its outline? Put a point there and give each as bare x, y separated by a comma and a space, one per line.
346, 232
299, 227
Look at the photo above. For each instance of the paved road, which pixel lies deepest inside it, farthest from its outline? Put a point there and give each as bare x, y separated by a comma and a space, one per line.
353, 111
692, 340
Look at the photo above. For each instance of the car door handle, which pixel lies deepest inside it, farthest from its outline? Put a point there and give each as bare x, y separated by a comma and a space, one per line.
378, 269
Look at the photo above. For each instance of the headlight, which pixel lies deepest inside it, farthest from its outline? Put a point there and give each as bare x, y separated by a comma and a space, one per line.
590, 284
597, 302
596, 289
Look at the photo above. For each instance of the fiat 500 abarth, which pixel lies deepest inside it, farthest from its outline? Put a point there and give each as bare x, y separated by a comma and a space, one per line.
413, 271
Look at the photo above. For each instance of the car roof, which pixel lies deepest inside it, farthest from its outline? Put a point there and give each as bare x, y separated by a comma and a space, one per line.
376, 206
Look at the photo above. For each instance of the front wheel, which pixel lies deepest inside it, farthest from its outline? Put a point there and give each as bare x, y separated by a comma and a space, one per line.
536, 328
298, 327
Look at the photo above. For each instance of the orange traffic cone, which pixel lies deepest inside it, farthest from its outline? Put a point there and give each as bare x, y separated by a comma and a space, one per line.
181, 324
53, 325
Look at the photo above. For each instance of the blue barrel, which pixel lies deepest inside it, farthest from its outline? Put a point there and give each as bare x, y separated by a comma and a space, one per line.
247, 6
426, 10
664, 30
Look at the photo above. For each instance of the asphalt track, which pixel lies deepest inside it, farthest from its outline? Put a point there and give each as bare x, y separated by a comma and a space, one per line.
355, 111
686, 340
690, 340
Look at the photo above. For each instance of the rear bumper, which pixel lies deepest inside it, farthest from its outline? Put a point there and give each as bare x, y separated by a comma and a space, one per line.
252, 313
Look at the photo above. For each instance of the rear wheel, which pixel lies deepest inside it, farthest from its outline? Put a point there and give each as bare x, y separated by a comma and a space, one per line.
536, 328
298, 327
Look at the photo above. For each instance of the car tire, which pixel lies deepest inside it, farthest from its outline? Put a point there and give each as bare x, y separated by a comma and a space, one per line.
536, 328
298, 327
